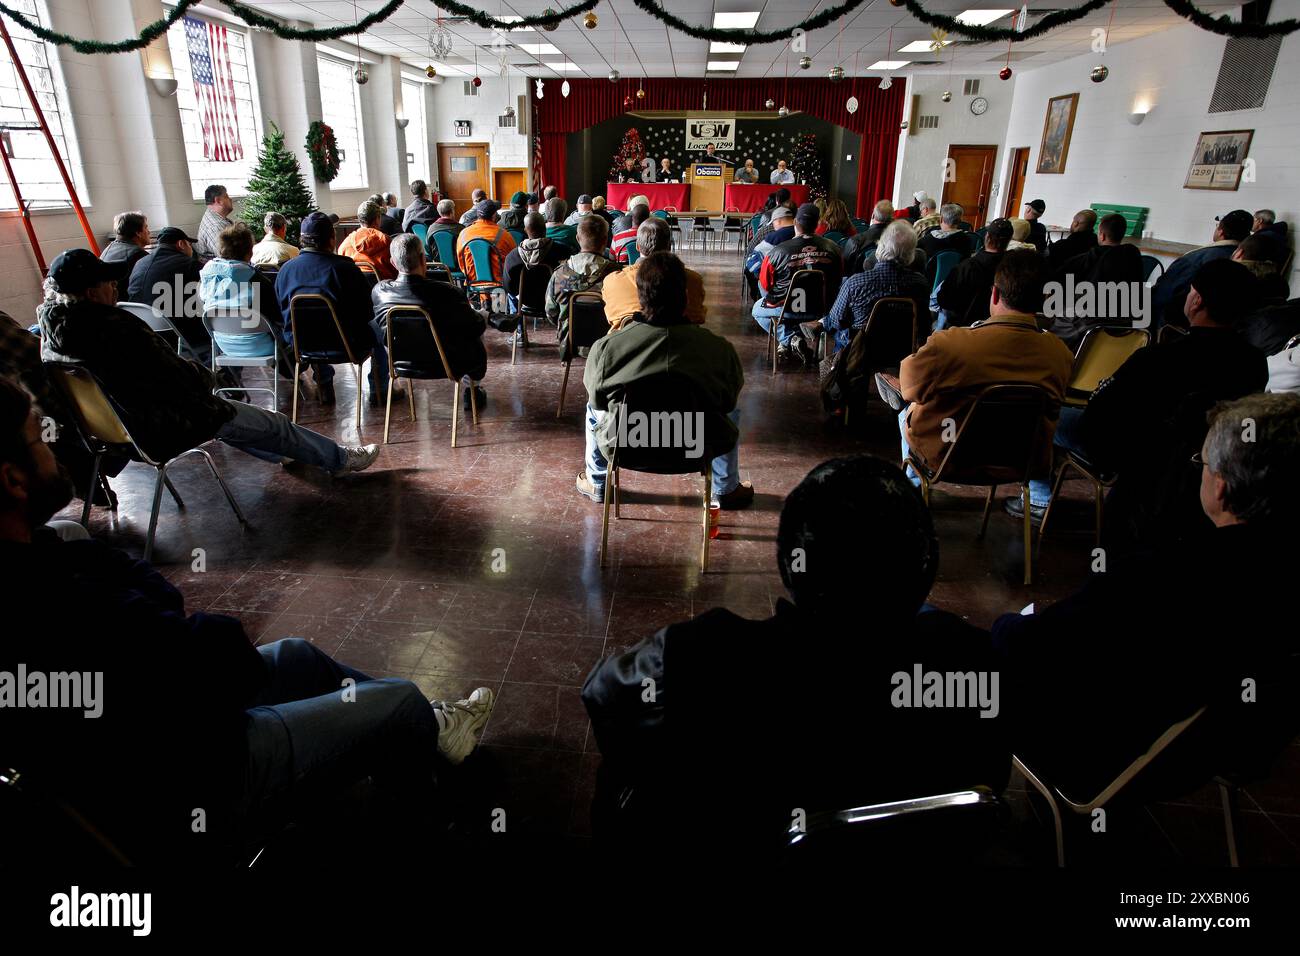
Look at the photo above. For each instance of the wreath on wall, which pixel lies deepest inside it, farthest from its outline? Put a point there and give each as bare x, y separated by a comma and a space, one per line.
323, 149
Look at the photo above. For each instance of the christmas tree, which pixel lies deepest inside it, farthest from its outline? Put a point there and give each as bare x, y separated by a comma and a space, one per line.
276, 185
807, 165
631, 148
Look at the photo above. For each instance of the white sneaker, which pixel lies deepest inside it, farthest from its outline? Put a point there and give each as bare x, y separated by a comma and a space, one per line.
357, 458
459, 724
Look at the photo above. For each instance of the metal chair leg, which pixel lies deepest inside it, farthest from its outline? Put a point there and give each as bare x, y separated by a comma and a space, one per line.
297, 370
1097, 498
1056, 493
356, 374
234, 505
612, 483
1051, 802
1228, 794
455, 410
708, 500
564, 386
172, 490
153, 514
410, 396
90, 492
611, 474
473, 400
388, 410
988, 503
1029, 535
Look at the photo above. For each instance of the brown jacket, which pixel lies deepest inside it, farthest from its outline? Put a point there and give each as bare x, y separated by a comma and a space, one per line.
942, 378
619, 292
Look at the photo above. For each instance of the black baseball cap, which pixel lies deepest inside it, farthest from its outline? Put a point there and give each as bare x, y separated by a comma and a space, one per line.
487, 208
1227, 288
584, 200
783, 212
1037, 204
174, 234
318, 227
808, 216
76, 270
1236, 224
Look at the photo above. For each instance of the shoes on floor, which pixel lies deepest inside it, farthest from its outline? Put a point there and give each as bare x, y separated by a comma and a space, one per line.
482, 398
358, 458
104, 497
378, 397
742, 496
812, 333
460, 724
802, 353
1015, 506
325, 393
587, 488
785, 357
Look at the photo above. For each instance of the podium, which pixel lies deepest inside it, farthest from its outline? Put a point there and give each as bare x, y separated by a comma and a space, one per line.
708, 185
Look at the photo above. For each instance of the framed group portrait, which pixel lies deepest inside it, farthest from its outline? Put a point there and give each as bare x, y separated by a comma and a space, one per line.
1218, 159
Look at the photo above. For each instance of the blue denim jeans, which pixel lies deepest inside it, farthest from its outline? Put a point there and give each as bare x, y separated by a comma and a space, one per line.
907, 450
765, 315
726, 468
272, 437
1067, 437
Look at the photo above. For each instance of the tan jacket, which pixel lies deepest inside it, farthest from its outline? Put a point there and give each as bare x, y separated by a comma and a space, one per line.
273, 252
943, 377
619, 292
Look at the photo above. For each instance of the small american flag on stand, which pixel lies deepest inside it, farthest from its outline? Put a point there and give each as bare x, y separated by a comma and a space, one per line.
214, 89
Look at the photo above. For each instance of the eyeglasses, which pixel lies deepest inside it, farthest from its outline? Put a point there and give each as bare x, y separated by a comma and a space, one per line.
1198, 460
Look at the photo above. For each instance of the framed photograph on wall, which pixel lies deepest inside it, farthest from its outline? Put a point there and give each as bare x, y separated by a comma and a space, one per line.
1058, 126
1218, 159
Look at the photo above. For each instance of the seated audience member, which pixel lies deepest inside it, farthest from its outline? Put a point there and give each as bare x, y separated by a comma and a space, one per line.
368, 243
535, 250
1267, 227
386, 224
583, 271
319, 271
963, 297
475, 197
619, 288
533, 204
599, 207
781, 176
780, 197
215, 218
168, 280
1254, 253
549, 193
747, 174
663, 340
835, 223
257, 736
854, 513
948, 236
805, 250
557, 230
666, 173
859, 293
1272, 326
630, 173
459, 327
274, 249
625, 239
1080, 239
929, 217
625, 221
779, 228
130, 236
500, 242
942, 379
420, 210
1148, 419
881, 216
394, 211
231, 285
1171, 288
513, 216
1033, 214
1209, 621
1107, 266
165, 400
583, 210
913, 213
1019, 233
446, 222
916, 264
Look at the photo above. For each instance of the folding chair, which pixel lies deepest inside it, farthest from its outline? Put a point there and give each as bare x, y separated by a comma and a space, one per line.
670, 213
480, 251
997, 443
1100, 354
585, 309
271, 272
421, 231
444, 251
518, 235
807, 294
1149, 265
313, 321
410, 332
943, 263
533, 281
156, 321
369, 271
231, 323
633, 254
102, 430
438, 272
733, 226
702, 226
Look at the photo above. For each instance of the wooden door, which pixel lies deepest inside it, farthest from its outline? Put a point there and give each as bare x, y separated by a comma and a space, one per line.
1016, 188
462, 168
506, 182
970, 175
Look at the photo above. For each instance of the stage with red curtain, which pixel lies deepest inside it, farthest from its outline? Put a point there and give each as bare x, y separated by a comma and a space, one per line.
591, 101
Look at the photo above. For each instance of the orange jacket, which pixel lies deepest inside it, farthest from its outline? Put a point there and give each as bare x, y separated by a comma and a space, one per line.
370, 245
501, 244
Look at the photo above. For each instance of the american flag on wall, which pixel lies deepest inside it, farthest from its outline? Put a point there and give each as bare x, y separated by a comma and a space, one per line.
214, 89
539, 181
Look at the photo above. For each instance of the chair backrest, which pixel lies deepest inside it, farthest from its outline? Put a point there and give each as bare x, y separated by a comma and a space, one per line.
890, 333
586, 318
1149, 265
808, 285
149, 316
860, 225
1101, 353
220, 320
702, 221
532, 288
998, 438
444, 245
96, 416
733, 220
953, 826
633, 253
271, 272
421, 231
944, 263
480, 251
369, 272
316, 327
411, 338
1169, 333
659, 214
518, 235
670, 426
438, 272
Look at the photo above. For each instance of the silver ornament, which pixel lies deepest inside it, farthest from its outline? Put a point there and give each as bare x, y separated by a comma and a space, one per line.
1099, 73
783, 111
946, 96
564, 88
836, 74
886, 82
770, 103
361, 75
805, 62
613, 76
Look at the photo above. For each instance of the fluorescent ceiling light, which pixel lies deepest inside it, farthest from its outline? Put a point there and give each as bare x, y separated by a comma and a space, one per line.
563, 67
888, 64
514, 18
735, 21
723, 65
716, 47
981, 18
920, 46
540, 49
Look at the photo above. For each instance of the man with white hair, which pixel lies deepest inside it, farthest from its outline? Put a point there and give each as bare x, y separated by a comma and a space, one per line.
274, 250
392, 210
446, 221
947, 235
624, 222
859, 293
927, 210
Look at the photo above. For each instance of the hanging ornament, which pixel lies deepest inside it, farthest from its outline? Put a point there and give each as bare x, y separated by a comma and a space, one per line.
770, 104
1099, 73
903, 125
1022, 19
783, 111
1004, 73
886, 82
640, 93
590, 21
613, 76
550, 27
430, 72
946, 96
564, 88
938, 40
836, 74
477, 81
510, 111
540, 86
805, 62
361, 75
852, 104
627, 101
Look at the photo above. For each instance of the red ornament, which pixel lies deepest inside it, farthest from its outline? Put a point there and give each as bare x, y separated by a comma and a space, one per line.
627, 101
477, 81
1004, 73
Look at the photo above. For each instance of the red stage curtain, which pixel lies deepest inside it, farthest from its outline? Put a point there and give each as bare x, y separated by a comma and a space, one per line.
591, 101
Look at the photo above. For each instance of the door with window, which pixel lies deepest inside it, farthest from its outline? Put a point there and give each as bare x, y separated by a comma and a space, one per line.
969, 178
1016, 188
462, 168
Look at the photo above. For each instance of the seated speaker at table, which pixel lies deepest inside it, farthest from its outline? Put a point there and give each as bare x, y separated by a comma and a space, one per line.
747, 174
666, 172
781, 176
630, 173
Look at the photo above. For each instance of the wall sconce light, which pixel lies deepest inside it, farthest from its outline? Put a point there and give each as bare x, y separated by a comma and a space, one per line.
403, 122
1137, 117
164, 86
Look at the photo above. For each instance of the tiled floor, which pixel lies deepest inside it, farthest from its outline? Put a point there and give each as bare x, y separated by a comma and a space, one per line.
478, 566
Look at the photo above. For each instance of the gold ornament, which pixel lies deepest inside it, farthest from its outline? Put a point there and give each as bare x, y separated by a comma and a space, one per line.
590, 21
640, 94
430, 72
554, 24
946, 96
938, 39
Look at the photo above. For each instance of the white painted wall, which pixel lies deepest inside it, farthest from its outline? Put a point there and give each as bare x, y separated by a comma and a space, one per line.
448, 103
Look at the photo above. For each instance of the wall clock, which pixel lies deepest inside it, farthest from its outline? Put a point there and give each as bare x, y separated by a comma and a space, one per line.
979, 106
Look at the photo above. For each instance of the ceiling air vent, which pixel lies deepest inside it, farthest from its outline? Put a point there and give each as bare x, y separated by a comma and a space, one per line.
470, 88
929, 122
970, 88
1245, 74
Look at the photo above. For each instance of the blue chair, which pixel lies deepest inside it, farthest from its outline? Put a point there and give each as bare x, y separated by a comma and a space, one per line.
445, 252
659, 214
861, 225
835, 236
633, 254
421, 229
517, 235
318, 338
480, 251
944, 263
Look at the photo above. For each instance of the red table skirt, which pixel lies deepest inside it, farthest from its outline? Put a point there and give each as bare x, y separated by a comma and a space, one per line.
661, 195
751, 198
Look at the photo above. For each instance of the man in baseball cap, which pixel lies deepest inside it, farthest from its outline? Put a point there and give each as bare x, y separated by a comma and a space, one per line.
78, 271
1169, 293
500, 242
584, 209
802, 250
173, 266
1034, 210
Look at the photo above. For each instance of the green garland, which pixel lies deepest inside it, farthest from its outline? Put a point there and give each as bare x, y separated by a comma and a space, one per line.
751, 37
481, 19
150, 33
255, 19
996, 34
1225, 27
323, 151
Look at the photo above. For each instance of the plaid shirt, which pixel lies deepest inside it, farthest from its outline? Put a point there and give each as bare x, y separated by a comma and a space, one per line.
859, 293
210, 227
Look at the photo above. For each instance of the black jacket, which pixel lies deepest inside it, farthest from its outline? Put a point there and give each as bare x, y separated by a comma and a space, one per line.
420, 210
165, 400
459, 327
959, 241
169, 269
964, 295
1038, 236
337, 278
548, 252
128, 252
1273, 326
1067, 247
1118, 265
704, 747
390, 226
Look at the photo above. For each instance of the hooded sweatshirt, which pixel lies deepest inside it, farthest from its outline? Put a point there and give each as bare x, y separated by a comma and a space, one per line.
370, 245
583, 272
230, 286
531, 253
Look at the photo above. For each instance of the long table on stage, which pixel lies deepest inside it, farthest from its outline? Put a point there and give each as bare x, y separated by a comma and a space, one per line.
750, 199
661, 195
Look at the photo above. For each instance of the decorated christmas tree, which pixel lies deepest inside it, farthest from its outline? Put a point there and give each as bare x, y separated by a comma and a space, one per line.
276, 185
631, 148
807, 165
